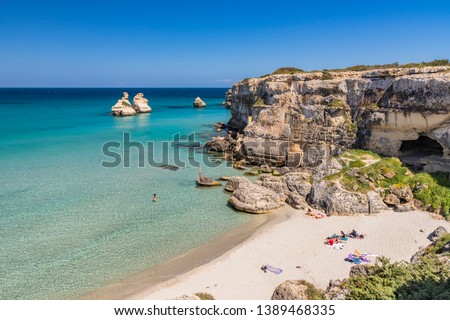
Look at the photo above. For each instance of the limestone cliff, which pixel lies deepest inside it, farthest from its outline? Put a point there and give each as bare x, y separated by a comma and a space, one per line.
300, 119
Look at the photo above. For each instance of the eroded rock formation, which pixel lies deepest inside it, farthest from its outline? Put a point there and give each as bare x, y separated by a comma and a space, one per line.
199, 103
123, 107
140, 104
299, 119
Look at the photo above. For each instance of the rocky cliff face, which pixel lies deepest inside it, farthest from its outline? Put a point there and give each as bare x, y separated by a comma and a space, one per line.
300, 119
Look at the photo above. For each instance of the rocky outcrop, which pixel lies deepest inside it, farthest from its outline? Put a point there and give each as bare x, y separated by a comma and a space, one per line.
437, 233
218, 144
140, 104
295, 290
335, 291
228, 99
300, 119
123, 107
333, 199
199, 103
376, 203
402, 192
252, 198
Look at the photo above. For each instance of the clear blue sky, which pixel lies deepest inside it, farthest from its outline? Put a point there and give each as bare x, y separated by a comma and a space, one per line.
208, 43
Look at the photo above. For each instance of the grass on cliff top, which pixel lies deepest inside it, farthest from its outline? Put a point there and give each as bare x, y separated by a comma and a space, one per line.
288, 70
428, 279
326, 75
364, 171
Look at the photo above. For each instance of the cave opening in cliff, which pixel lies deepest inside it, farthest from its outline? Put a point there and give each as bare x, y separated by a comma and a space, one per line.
422, 147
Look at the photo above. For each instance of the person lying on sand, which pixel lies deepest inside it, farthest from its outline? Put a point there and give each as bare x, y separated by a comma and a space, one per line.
356, 235
314, 214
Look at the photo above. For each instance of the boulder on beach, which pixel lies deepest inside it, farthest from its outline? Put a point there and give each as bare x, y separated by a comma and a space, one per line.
140, 104
296, 290
252, 198
333, 199
123, 107
199, 103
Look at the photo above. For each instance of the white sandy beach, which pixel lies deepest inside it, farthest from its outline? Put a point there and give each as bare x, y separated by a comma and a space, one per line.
296, 246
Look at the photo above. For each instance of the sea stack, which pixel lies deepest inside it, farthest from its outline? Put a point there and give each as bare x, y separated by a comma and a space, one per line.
123, 107
199, 103
140, 104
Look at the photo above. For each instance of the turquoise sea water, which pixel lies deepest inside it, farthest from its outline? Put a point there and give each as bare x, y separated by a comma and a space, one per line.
69, 225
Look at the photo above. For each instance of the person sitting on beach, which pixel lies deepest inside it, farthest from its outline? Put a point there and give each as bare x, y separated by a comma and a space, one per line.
343, 235
354, 234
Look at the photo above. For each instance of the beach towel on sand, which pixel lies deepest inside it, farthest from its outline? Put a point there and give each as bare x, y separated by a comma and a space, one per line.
272, 269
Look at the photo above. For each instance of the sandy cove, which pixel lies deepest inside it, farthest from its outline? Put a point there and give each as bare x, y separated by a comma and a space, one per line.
296, 246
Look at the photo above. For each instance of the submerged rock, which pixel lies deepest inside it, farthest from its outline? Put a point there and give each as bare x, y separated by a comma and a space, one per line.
123, 107
140, 104
199, 103
170, 167
234, 182
252, 198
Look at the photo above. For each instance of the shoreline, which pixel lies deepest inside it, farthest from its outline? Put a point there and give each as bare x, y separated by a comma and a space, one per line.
296, 246
151, 278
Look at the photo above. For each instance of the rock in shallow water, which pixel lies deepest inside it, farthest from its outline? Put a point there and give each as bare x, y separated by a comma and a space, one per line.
207, 182
140, 104
199, 103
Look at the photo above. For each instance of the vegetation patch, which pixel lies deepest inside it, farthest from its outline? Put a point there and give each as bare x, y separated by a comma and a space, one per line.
288, 70
204, 296
326, 76
362, 67
356, 164
360, 175
312, 292
429, 279
259, 102
433, 190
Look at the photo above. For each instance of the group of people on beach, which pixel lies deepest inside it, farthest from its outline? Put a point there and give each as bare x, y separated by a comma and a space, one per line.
343, 237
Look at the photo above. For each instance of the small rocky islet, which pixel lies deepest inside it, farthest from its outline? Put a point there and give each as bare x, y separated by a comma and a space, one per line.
123, 107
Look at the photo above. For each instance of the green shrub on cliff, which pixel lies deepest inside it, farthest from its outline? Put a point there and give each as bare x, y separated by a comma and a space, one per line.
434, 63
287, 70
429, 279
326, 76
362, 67
356, 163
433, 190
360, 175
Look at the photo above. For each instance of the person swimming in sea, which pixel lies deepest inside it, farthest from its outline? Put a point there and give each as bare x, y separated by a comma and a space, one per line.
154, 197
